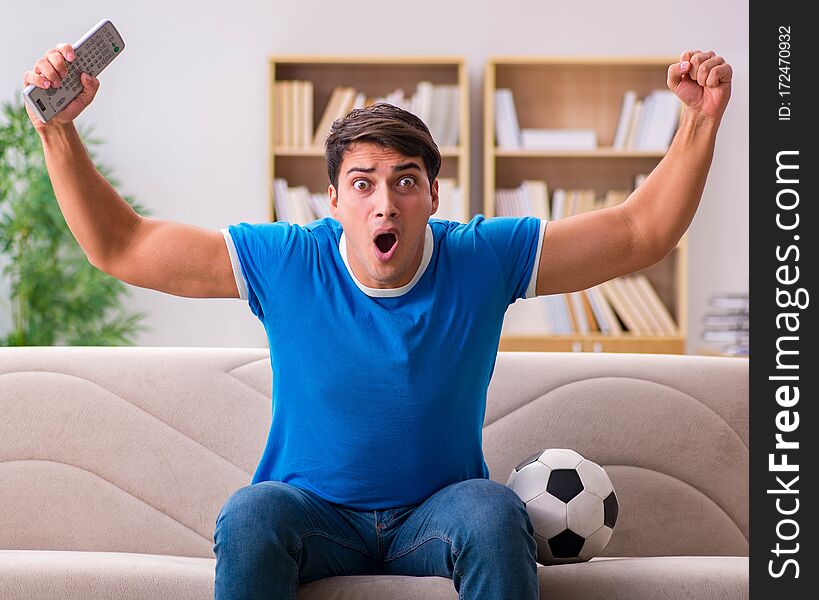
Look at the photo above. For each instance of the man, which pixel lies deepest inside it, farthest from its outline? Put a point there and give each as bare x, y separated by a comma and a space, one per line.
383, 325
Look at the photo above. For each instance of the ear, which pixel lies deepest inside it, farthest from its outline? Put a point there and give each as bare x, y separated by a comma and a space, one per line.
333, 195
434, 193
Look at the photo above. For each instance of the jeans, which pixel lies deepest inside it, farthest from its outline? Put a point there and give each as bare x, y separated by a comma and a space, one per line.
271, 536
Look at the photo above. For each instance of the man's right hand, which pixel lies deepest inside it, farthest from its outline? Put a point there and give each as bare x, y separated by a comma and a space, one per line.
48, 73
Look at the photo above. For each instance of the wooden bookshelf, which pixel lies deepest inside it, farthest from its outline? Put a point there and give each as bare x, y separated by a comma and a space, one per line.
376, 77
581, 93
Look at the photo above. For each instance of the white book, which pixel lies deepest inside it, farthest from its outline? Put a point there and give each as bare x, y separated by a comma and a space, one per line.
454, 121
558, 139
664, 120
320, 205
562, 302
507, 130
645, 119
626, 110
280, 199
636, 116
421, 103
499, 202
579, 311
299, 205
360, 100
559, 203
602, 318
519, 203
447, 200
555, 316
537, 194
525, 316
440, 113
603, 311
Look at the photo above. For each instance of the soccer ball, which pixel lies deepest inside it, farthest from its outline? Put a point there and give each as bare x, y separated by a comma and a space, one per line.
570, 501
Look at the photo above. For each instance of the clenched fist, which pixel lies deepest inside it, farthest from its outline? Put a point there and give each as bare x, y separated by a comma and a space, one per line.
702, 80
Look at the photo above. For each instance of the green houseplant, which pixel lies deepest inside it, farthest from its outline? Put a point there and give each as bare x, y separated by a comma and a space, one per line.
57, 297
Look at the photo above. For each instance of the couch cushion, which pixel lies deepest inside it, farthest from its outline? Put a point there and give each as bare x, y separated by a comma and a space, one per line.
27, 574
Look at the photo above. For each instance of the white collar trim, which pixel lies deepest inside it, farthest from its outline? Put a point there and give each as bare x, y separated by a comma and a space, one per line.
429, 243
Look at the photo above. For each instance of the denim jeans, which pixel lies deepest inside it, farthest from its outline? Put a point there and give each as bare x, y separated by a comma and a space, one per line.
271, 536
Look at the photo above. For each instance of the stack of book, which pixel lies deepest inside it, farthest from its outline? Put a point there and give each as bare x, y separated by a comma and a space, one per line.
509, 135
626, 305
437, 105
531, 198
647, 123
726, 324
297, 205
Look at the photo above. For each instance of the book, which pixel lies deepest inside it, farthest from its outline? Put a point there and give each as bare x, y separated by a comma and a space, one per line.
636, 115
603, 312
622, 306
730, 301
558, 203
306, 122
727, 321
660, 121
650, 319
280, 199
341, 101
667, 323
635, 305
449, 201
590, 318
291, 106
507, 129
624, 121
536, 198
558, 139
526, 316
579, 312
278, 114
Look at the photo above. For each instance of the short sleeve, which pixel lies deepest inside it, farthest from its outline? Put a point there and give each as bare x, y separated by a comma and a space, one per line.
256, 251
516, 242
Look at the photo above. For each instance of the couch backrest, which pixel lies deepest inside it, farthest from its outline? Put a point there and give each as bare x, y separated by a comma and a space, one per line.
136, 449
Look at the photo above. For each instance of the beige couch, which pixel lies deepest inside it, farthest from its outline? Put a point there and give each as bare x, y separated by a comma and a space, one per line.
114, 463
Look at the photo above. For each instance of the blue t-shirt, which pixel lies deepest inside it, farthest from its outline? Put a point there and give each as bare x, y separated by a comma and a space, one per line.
379, 395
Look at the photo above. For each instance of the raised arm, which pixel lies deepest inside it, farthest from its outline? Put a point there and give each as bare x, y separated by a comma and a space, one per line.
175, 258
586, 249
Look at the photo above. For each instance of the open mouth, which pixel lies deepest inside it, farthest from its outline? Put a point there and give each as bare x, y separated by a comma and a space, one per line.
385, 245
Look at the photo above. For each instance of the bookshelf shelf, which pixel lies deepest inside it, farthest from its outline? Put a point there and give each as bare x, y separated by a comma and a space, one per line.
373, 77
446, 152
599, 153
581, 93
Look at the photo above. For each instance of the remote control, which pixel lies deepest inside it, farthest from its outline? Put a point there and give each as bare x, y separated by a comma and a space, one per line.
92, 53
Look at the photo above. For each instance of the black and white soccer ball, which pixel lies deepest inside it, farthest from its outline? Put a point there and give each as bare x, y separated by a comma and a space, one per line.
570, 501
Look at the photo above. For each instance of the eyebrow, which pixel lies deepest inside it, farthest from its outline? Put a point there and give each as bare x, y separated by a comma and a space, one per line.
401, 167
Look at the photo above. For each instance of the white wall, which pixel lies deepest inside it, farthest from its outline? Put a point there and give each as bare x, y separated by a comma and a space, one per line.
183, 111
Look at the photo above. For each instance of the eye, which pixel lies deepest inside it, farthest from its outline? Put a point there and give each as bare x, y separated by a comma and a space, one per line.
407, 178
357, 181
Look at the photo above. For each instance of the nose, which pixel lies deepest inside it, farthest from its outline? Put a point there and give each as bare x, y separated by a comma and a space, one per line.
385, 205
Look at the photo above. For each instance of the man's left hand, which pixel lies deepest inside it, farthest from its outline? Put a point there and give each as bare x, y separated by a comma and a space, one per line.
702, 80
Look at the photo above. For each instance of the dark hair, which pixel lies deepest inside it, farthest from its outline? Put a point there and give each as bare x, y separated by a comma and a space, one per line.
387, 126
